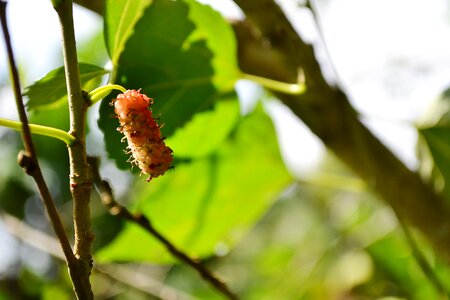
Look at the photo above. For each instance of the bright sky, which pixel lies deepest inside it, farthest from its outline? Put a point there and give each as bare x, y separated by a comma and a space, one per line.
393, 58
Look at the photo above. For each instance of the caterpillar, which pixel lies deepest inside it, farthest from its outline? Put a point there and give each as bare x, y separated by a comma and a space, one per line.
142, 132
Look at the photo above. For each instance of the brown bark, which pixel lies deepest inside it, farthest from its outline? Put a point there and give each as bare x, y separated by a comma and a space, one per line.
326, 110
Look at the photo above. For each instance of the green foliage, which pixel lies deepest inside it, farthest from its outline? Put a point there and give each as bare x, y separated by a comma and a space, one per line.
52, 87
188, 58
228, 190
315, 242
206, 132
53, 291
120, 18
308, 246
434, 143
212, 28
13, 196
92, 50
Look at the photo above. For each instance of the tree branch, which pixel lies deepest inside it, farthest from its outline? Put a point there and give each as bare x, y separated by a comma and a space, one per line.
96, 6
28, 161
80, 182
120, 273
327, 112
118, 210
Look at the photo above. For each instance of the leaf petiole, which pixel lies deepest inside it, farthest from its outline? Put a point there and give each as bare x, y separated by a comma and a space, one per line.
103, 91
283, 87
42, 130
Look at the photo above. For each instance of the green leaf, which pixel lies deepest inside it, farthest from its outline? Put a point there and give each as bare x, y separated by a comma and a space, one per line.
181, 53
434, 143
434, 147
206, 131
211, 202
52, 87
217, 32
393, 257
120, 18
54, 291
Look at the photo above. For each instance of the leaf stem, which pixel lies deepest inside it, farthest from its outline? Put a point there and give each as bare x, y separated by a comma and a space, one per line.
103, 91
41, 130
117, 272
278, 86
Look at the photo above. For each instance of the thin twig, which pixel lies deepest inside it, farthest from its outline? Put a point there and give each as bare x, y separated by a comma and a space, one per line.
118, 210
28, 159
26, 132
127, 275
123, 274
80, 181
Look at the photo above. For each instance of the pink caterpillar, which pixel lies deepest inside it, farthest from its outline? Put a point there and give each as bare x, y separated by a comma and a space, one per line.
142, 132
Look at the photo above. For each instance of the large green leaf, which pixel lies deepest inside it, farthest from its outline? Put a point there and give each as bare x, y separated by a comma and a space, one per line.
52, 87
120, 18
393, 258
206, 131
181, 53
220, 39
210, 202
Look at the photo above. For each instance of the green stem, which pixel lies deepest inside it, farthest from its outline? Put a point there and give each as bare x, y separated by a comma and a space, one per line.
80, 181
42, 130
282, 87
101, 92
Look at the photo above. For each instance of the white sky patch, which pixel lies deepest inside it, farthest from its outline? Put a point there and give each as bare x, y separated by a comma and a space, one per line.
393, 60
228, 8
300, 148
36, 37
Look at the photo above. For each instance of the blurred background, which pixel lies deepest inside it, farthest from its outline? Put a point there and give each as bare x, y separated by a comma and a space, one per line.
325, 237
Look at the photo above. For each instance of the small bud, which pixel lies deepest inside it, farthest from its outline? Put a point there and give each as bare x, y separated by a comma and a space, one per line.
27, 163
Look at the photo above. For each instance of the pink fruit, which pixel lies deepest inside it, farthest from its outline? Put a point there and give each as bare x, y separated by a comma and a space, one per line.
142, 132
